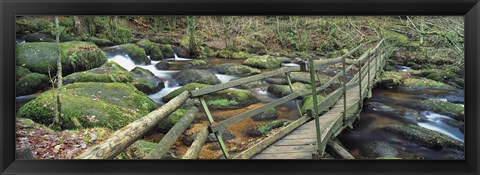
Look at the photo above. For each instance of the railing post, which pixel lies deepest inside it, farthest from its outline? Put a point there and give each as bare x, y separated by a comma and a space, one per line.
315, 113
344, 90
217, 134
360, 82
368, 76
289, 80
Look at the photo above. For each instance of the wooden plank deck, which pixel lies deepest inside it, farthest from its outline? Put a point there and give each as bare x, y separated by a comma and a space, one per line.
301, 142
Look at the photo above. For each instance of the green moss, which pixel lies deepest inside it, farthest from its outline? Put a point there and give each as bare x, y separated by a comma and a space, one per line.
225, 54
32, 25
308, 102
284, 90
38, 37
167, 123
110, 105
167, 50
198, 62
250, 85
235, 69
263, 62
31, 83
397, 38
240, 55
99, 41
110, 72
391, 79
256, 47
419, 83
269, 114
146, 81
196, 76
267, 127
445, 76
136, 53
445, 108
152, 49
21, 72
76, 56
137, 150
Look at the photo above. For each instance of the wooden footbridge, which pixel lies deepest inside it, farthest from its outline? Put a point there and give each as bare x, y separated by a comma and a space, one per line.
304, 138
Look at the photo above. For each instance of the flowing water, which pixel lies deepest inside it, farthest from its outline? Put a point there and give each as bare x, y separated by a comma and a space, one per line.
402, 105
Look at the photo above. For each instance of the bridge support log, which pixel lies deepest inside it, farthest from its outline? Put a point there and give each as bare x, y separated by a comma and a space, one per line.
336, 150
124, 137
171, 137
194, 150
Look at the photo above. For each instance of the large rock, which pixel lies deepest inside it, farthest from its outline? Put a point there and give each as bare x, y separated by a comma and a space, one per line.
42, 57
110, 105
226, 135
38, 37
442, 107
21, 72
235, 69
425, 137
162, 65
263, 62
99, 41
31, 83
381, 149
196, 76
146, 81
391, 79
257, 47
152, 49
424, 83
284, 90
136, 53
108, 73
225, 99
181, 52
167, 51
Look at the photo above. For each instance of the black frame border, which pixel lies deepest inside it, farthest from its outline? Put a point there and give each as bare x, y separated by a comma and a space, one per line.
10, 8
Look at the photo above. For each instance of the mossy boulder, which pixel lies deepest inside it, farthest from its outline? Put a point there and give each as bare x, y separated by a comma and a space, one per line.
284, 90
445, 76
38, 37
146, 81
240, 55
21, 72
31, 83
196, 76
308, 102
110, 105
425, 137
167, 51
265, 128
32, 25
136, 53
168, 122
198, 62
181, 52
42, 57
225, 54
424, 83
442, 107
256, 47
397, 38
99, 41
263, 62
225, 99
235, 69
269, 114
137, 150
380, 149
163, 65
391, 79
108, 73
152, 49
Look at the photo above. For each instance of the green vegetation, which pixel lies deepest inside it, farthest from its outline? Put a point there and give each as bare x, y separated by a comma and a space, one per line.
108, 73
137, 150
308, 102
419, 83
263, 62
31, 83
168, 122
196, 76
265, 128
391, 79
152, 49
21, 72
284, 90
235, 69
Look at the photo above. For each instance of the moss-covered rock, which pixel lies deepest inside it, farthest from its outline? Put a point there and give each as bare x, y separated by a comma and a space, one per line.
167, 51
442, 107
137, 150
196, 76
397, 38
225, 54
424, 83
168, 122
31, 83
263, 62
110, 105
152, 49
235, 69
380, 149
99, 41
146, 81
136, 53
255, 84
445, 76
391, 79
265, 128
240, 55
162, 65
109, 72
21, 72
269, 114
32, 25
257, 47
38, 37
425, 137
284, 90
225, 99
308, 102
42, 57
198, 62
181, 52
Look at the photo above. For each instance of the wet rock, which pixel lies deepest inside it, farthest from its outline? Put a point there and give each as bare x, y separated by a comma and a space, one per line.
284, 90
21, 72
38, 37
255, 84
453, 156
425, 137
181, 52
99, 41
412, 116
256, 48
31, 83
263, 62
457, 97
267, 127
136, 53
162, 65
308, 102
381, 149
442, 107
146, 81
423, 83
235, 69
196, 76
377, 106
167, 51
280, 81
226, 135
151, 48
269, 114
110, 105
42, 57
391, 79
110, 72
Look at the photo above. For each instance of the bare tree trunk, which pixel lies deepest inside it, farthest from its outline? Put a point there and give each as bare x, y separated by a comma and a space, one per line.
56, 121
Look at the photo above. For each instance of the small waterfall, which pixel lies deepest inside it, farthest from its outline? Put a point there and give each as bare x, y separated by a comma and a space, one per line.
225, 78
124, 61
19, 40
436, 122
290, 64
176, 58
